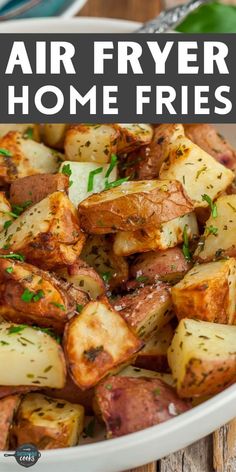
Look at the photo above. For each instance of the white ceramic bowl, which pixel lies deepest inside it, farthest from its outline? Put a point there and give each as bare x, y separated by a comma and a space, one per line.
153, 443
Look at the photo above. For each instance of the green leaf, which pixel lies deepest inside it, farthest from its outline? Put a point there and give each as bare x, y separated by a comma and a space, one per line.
16, 329
91, 178
27, 295
106, 277
185, 247
58, 305
29, 133
17, 257
211, 204
112, 165
213, 17
116, 183
9, 270
79, 308
66, 170
5, 152
7, 224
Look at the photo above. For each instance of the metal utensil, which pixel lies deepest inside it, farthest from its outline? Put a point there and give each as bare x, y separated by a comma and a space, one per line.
170, 18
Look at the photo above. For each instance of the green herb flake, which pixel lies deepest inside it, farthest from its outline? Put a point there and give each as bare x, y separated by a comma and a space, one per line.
112, 165
185, 247
27, 295
91, 178
16, 329
211, 204
58, 305
142, 278
116, 183
108, 386
92, 353
5, 152
29, 133
212, 230
40, 294
9, 270
79, 307
66, 170
106, 276
17, 257
7, 224
157, 391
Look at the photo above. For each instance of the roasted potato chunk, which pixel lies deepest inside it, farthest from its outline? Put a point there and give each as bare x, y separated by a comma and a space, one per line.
85, 278
133, 205
47, 423
219, 238
47, 234
28, 130
106, 343
154, 354
137, 372
8, 407
128, 404
145, 162
6, 216
198, 172
32, 357
36, 187
21, 157
54, 134
73, 394
207, 138
5, 390
33, 296
91, 143
169, 265
202, 357
133, 135
207, 292
146, 310
98, 253
83, 175
167, 235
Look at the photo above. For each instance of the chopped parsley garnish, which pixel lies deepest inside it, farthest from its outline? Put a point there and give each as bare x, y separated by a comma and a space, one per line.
5, 152
59, 305
106, 277
18, 209
142, 278
157, 391
66, 170
185, 247
17, 257
212, 230
7, 224
112, 165
108, 386
79, 308
16, 329
9, 270
27, 296
93, 353
116, 183
91, 178
211, 204
29, 133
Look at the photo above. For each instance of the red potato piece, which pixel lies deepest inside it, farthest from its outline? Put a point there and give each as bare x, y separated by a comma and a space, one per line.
154, 354
146, 310
35, 188
169, 266
73, 394
84, 278
145, 163
8, 407
207, 138
130, 404
5, 391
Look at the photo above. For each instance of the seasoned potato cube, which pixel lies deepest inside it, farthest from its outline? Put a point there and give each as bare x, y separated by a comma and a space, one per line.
47, 234
29, 130
219, 238
5, 212
73, 394
83, 175
202, 357
91, 143
130, 404
144, 163
54, 134
198, 172
105, 343
21, 157
34, 188
134, 205
146, 310
207, 138
167, 235
207, 292
133, 135
8, 407
47, 423
33, 296
169, 265
85, 278
98, 253
31, 356
154, 354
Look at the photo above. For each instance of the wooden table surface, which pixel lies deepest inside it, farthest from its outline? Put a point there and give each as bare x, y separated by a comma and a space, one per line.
217, 452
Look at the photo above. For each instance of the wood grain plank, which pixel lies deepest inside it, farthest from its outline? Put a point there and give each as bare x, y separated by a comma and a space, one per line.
195, 458
152, 467
126, 9
224, 448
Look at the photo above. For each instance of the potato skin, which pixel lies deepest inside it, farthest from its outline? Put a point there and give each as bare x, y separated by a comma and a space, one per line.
207, 138
145, 163
169, 265
85, 278
6, 391
130, 404
53, 309
154, 354
73, 394
5, 209
35, 188
146, 309
133, 206
47, 234
8, 407
132, 136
